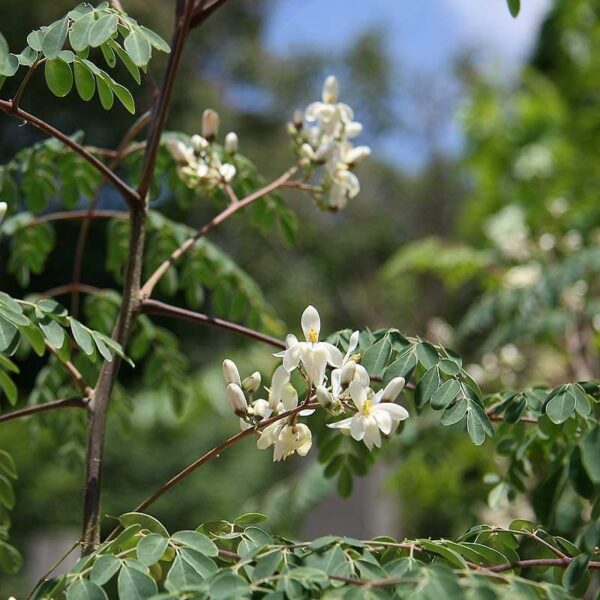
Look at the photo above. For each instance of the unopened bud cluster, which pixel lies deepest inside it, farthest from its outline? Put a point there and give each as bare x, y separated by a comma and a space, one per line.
202, 163
322, 137
345, 389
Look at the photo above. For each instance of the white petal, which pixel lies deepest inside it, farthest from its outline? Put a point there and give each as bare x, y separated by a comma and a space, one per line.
384, 421
227, 172
289, 396
397, 412
307, 412
311, 322
334, 356
350, 182
291, 357
345, 112
393, 388
331, 89
362, 376
337, 196
344, 424
352, 345
230, 372
353, 129
315, 363
357, 427
280, 378
336, 385
358, 393
372, 436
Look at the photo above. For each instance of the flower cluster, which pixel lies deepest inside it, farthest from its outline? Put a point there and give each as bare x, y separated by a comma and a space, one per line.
202, 164
322, 137
346, 389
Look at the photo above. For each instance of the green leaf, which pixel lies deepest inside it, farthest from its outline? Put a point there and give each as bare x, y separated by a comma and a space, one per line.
82, 589
104, 569
427, 355
79, 36
151, 548
59, 77
102, 29
403, 366
135, 585
201, 563
138, 48
155, 40
561, 407
197, 541
478, 424
9, 388
7, 464
35, 40
55, 38
146, 521
455, 413
227, 586
8, 334
82, 336
427, 386
251, 519
104, 91
575, 572
514, 6
35, 337
182, 575
84, 81
7, 493
129, 65
124, 96
445, 394
11, 560
376, 357
52, 331
590, 454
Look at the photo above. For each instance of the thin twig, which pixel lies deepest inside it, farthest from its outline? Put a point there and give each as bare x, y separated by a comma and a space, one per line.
160, 308
148, 287
11, 109
47, 406
73, 371
214, 453
78, 215
68, 288
17, 97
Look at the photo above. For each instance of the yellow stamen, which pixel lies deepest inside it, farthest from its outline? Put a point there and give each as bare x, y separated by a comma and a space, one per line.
366, 408
312, 336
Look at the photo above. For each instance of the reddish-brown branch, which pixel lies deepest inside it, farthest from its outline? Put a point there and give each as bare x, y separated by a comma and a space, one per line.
68, 288
204, 9
148, 287
47, 406
160, 308
11, 109
537, 562
77, 215
216, 451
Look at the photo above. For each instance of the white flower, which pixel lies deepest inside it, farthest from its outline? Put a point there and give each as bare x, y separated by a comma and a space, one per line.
331, 89
251, 383
373, 416
231, 373
345, 186
3, 209
313, 355
210, 124
227, 172
280, 378
285, 439
231, 143
180, 152
237, 399
522, 276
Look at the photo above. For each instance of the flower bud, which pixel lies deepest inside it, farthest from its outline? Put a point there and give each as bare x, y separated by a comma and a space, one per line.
231, 373
237, 399
357, 154
251, 383
179, 151
348, 372
324, 397
393, 388
227, 172
199, 143
210, 124
298, 120
3, 209
231, 143
331, 90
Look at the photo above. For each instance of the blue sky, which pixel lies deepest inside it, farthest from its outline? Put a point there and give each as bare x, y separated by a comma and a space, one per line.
424, 35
